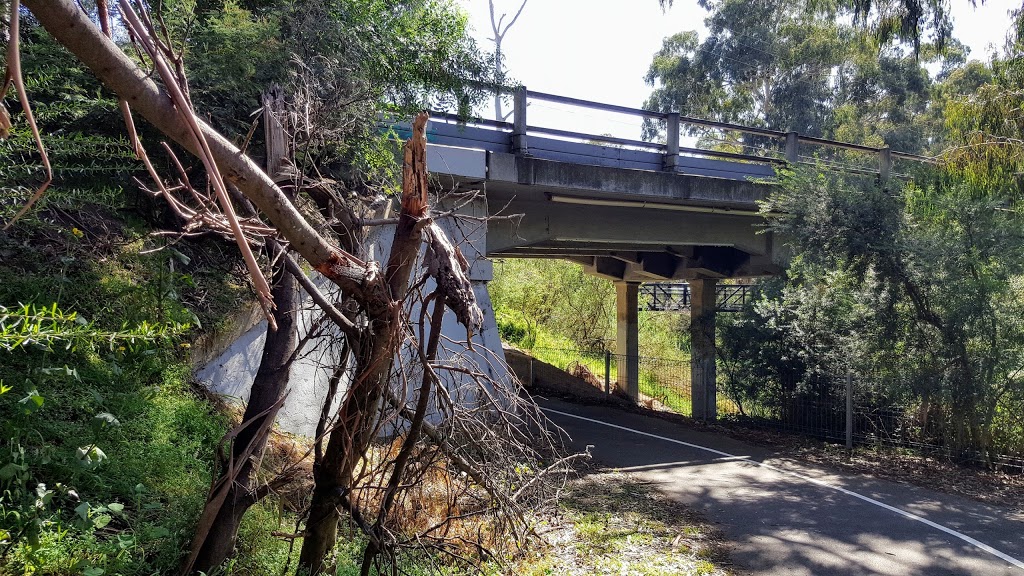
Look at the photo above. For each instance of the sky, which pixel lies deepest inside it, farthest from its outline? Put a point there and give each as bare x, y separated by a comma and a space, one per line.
600, 50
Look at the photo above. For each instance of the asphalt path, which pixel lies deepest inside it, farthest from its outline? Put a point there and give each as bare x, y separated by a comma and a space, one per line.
788, 518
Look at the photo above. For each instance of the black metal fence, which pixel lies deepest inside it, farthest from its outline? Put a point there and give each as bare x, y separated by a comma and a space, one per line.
849, 408
863, 410
664, 383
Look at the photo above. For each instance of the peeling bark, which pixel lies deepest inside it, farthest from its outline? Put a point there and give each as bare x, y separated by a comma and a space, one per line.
354, 428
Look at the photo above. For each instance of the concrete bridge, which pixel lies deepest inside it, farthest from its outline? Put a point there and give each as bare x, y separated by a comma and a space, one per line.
635, 211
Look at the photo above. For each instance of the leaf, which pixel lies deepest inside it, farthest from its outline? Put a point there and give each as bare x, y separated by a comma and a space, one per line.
11, 470
115, 508
101, 520
83, 511
93, 571
90, 456
104, 419
32, 402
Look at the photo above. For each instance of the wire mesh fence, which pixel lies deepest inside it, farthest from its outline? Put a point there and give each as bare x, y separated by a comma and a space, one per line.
862, 410
844, 408
664, 383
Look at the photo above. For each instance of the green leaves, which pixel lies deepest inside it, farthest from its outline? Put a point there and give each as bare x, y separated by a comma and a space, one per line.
90, 457
46, 327
32, 402
103, 420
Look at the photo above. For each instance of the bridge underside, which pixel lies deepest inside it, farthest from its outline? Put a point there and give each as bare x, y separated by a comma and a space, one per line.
620, 224
627, 225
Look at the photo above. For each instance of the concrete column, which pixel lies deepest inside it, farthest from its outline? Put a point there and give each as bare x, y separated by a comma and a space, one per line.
627, 337
702, 349
671, 158
792, 147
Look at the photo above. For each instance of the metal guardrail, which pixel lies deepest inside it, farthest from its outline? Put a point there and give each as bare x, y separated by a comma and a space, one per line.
675, 296
788, 150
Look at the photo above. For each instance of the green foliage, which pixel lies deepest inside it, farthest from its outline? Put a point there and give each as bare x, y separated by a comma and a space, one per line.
764, 64
986, 123
560, 298
557, 305
30, 325
919, 287
342, 62
106, 450
82, 131
800, 67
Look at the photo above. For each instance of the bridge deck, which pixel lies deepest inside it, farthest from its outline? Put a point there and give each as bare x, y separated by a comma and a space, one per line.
631, 209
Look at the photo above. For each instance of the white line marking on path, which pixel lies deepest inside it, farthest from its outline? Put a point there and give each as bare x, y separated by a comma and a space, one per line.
976, 543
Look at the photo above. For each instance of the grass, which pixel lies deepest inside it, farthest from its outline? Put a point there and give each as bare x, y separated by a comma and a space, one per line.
614, 523
106, 449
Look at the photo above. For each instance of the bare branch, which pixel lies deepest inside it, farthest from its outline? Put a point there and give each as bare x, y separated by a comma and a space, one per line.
13, 75
320, 299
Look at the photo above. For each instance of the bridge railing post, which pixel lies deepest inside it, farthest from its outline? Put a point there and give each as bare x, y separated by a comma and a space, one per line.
671, 158
884, 166
792, 147
519, 145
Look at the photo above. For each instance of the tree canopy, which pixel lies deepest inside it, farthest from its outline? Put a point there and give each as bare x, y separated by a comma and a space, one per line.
798, 67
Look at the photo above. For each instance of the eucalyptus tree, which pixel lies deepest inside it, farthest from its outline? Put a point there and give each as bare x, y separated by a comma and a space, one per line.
805, 67
767, 64
987, 126
918, 284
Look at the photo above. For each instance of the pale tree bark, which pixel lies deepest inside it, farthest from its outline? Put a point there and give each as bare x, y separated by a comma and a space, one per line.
500, 28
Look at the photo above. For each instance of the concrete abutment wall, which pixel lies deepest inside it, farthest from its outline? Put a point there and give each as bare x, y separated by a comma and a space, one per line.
231, 371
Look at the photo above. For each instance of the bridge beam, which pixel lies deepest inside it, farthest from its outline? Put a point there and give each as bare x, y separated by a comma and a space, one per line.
702, 349
627, 337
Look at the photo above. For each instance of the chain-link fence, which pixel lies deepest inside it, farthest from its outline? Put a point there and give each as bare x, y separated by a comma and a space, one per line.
664, 383
848, 408
862, 410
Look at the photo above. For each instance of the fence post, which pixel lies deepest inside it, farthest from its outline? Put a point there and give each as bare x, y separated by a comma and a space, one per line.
671, 158
519, 145
607, 372
531, 373
849, 410
792, 147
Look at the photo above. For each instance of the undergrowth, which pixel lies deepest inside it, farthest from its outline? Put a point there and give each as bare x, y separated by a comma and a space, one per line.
106, 448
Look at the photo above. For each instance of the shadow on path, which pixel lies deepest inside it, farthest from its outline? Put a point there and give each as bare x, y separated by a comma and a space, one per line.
778, 517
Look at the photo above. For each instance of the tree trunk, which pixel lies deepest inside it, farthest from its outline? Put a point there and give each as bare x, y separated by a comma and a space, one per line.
265, 398
215, 544
355, 426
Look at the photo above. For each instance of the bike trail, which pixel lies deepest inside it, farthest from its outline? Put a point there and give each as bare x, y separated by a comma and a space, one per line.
784, 517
